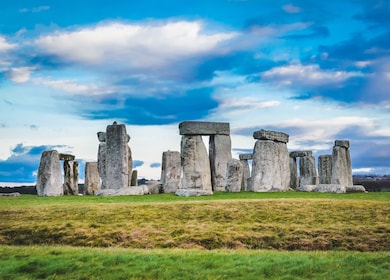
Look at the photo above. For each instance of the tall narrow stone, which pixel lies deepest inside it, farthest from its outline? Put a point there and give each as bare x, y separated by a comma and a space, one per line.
341, 164
129, 162
294, 178
246, 174
49, 180
325, 169
71, 177
271, 162
195, 164
307, 170
117, 157
234, 175
92, 180
134, 178
170, 171
101, 164
220, 153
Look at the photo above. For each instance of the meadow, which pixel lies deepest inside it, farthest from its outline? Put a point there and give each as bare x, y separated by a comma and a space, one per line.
287, 235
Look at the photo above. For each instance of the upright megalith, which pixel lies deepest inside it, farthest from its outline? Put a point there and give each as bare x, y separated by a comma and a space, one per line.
234, 175
307, 170
170, 171
92, 180
101, 163
246, 173
71, 174
219, 153
271, 163
195, 164
117, 156
341, 164
294, 177
325, 169
134, 178
49, 180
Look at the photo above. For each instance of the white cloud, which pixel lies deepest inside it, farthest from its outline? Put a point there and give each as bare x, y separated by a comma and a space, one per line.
35, 9
306, 75
70, 86
291, 9
5, 46
244, 104
134, 45
20, 74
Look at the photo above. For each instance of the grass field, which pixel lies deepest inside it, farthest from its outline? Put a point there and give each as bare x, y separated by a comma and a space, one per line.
246, 235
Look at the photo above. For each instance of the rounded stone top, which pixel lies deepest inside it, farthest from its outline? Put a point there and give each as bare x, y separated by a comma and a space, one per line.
101, 136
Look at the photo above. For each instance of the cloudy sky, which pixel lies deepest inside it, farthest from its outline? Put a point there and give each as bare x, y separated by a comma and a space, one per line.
317, 70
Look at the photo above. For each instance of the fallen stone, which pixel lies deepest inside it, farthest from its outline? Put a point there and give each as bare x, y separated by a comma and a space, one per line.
356, 189
10, 194
271, 135
245, 156
123, 191
305, 188
330, 188
193, 192
49, 179
154, 187
204, 128
234, 175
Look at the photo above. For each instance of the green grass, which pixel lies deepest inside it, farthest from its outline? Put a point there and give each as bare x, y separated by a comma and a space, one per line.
96, 263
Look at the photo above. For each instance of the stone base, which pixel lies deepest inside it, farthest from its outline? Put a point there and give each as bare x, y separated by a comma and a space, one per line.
193, 192
141, 190
331, 188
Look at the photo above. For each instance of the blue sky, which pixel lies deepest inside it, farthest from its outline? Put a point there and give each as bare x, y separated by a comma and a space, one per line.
317, 70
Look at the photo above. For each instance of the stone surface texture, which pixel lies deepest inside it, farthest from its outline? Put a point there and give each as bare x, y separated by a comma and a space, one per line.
271, 135
117, 157
141, 190
270, 166
325, 169
195, 164
49, 178
308, 171
341, 164
102, 164
219, 153
294, 178
62, 156
204, 128
301, 153
245, 156
170, 171
71, 177
330, 188
193, 192
246, 174
92, 180
234, 175
134, 178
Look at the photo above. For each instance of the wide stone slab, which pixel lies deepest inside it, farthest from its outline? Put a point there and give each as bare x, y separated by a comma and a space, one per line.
66, 157
271, 135
204, 128
245, 156
301, 154
193, 192
141, 190
342, 143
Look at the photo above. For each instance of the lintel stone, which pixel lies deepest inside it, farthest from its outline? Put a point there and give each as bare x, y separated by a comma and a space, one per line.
342, 143
301, 154
245, 156
204, 128
66, 157
271, 135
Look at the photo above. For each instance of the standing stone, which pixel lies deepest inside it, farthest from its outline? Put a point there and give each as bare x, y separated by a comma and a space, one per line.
271, 162
134, 178
170, 171
325, 169
234, 175
246, 174
49, 181
341, 164
294, 178
130, 162
195, 164
101, 164
307, 170
117, 156
220, 153
92, 180
71, 177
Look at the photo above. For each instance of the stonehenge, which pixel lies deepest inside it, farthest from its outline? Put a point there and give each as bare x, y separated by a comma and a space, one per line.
196, 171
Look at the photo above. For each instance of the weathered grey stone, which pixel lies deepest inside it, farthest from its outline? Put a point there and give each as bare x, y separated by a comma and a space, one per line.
204, 128
294, 178
341, 165
193, 192
101, 163
195, 164
271, 135
325, 169
249, 184
49, 180
234, 175
330, 188
356, 188
245, 156
246, 174
117, 157
307, 171
305, 188
296, 154
66, 157
101, 136
342, 143
219, 153
71, 177
154, 187
130, 165
134, 178
170, 171
123, 191
13, 194
92, 180
270, 166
